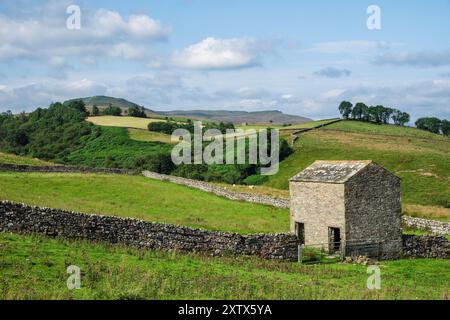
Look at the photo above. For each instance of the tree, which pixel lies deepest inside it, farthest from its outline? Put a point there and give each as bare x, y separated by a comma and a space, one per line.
358, 111
95, 110
396, 115
345, 108
404, 118
445, 127
112, 111
78, 105
138, 112
429, 124
386, 114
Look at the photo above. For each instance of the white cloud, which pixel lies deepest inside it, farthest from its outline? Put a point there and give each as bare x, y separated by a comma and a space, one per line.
105, 33
214, 53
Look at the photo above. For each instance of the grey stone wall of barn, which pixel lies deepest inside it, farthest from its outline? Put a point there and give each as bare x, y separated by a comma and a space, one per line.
373, 209
24, 219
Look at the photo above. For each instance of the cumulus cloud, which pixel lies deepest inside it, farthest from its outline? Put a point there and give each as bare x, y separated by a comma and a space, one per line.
331, 72
417, 59
215, 53
32, 95
103, 33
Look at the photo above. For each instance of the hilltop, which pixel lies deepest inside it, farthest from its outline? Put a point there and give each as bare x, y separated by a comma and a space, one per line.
103, 102
237, 117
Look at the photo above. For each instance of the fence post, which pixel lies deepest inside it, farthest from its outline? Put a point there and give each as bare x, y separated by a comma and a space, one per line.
300, 254
343, 244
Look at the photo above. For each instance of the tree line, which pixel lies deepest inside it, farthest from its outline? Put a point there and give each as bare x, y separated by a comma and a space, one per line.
434, 125
134, 111
376, 114
382, 115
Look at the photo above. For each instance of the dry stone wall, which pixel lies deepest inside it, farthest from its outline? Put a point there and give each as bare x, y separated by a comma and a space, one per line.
426, 247
23, 219
208, 187
61, 169
435, 227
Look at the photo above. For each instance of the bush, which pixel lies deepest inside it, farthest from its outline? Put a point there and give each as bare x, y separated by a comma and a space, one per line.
160, 162
255, 180
137, 112
112, 111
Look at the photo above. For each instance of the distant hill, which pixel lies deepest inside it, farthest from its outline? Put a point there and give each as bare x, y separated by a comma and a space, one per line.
103, 102
236, 117
239, 117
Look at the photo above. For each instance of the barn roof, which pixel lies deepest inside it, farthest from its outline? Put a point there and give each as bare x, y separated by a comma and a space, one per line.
331, 171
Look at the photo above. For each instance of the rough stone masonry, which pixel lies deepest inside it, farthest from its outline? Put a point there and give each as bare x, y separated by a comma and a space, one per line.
23, 219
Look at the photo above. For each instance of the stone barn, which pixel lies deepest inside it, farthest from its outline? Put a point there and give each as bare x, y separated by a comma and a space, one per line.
353, 207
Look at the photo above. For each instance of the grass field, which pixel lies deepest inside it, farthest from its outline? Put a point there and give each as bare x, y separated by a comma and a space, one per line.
142, 198
34, 267
421, 159
308, 125
146, 136
13, 159
124, 122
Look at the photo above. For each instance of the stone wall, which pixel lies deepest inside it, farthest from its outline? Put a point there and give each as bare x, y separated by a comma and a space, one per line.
436, 227
63, 169
373, 209
426, 247
23, 219
220, 191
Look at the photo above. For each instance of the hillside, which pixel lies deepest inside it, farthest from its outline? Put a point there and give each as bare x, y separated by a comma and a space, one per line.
142, 198
239, 117
103, 102
420, 158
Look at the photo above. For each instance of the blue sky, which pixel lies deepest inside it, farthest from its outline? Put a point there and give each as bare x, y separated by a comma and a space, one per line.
301, 57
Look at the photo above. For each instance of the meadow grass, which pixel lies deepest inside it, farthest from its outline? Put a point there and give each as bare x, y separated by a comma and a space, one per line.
308, 125
423, 163
34, 267
124, 122
145, 135
142, 198
372, 128
14, 159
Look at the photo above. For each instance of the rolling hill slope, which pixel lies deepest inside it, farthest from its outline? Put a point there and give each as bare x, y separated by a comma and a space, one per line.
239, 117
103, 102
420, 158
236, 117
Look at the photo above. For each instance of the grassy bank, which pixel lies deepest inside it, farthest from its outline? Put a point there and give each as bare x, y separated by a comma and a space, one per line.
14, 159
142, 198
35, 268
420, 158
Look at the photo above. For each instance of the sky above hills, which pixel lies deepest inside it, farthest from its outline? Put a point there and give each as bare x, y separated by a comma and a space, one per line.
300, 57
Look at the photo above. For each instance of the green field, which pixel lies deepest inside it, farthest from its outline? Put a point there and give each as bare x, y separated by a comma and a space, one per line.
34, 267
14, 159
125, 122
142, 198
421, 159
148, 136
308, 125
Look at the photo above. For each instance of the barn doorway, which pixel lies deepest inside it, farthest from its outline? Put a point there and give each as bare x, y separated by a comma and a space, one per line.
334, 239
300, 232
